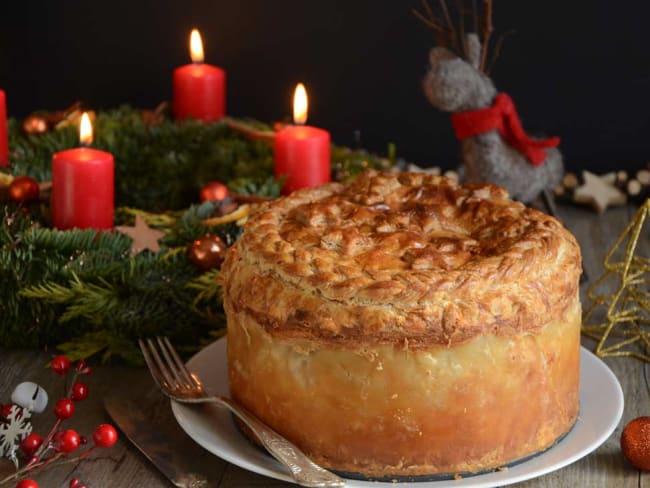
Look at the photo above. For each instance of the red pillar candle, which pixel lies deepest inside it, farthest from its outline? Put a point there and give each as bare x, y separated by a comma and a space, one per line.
82, 186
301, 152
4, 133
199, 88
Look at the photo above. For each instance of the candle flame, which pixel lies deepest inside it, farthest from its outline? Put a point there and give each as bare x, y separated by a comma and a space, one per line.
196, 47
300, 104
85, 129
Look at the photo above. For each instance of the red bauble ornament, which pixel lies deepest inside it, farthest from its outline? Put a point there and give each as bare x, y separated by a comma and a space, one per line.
207, 252
27, 483
31, 443
69, 441
60, 365
35, 124
635, 442
105, 435
79, 391
23, 189
213, 191
64, 408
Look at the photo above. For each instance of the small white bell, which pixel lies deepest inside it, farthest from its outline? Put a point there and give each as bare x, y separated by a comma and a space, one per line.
30, 396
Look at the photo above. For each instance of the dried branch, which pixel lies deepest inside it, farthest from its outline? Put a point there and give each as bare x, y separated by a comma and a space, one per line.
461, 26
498, 47
442, 27
450, 25
475, 16
487, 32
427, 21
251, 132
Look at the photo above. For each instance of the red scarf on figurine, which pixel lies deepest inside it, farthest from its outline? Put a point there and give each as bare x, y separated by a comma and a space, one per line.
502, 116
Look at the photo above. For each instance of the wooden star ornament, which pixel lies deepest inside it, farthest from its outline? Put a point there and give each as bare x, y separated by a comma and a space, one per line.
598, 192
144, 237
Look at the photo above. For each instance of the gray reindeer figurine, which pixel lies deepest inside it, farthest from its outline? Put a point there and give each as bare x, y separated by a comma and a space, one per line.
495, 147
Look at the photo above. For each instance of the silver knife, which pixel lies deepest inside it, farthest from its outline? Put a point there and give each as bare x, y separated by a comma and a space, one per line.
151, 427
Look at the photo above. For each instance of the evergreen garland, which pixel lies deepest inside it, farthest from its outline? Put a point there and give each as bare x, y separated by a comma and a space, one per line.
82, 290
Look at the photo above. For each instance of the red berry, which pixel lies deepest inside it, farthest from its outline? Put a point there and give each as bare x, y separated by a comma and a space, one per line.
83, 368
76, 483
69, 441
27, 483
64, 408
79, 391
105, 435
60, 365
30, 444
84, 439
5, 410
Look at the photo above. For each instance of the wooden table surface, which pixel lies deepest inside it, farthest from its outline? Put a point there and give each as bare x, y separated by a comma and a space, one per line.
124, 466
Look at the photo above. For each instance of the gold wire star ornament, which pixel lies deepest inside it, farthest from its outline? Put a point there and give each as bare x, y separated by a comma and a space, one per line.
623, 332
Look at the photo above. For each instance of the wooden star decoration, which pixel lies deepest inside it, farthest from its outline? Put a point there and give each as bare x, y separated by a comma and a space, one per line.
144, 237
598, 192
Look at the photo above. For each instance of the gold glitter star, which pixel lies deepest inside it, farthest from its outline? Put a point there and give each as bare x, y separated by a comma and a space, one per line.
144, 237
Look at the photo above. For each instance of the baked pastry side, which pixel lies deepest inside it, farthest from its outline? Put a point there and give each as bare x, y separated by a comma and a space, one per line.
382, 411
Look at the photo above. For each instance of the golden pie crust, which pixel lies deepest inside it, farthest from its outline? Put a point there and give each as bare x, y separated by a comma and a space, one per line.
406, 325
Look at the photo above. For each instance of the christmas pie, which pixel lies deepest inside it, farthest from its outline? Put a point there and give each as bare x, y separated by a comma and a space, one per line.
406, 325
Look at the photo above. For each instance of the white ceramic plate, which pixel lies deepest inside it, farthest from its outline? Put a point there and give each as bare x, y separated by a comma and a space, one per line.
601, 407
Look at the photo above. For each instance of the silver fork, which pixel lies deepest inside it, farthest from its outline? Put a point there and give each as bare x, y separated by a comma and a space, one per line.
176, 382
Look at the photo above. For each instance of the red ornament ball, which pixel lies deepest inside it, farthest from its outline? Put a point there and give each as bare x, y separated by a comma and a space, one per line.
27, 483
23, 189
60, 365
35, 124
79, 391
207, 252
69, 441
64, 408
213, 191
635, 442
31, 443
105, 435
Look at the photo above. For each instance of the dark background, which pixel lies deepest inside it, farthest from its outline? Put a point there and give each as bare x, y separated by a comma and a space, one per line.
578, 69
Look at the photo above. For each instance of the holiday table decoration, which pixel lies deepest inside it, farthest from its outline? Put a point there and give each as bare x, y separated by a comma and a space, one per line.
86, 291
213, 191
23, 189
83, 185
619, 320
144, 237
635, 442
31, 452
302, 152
199, 88
599, 192
495, 147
